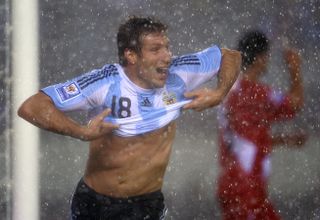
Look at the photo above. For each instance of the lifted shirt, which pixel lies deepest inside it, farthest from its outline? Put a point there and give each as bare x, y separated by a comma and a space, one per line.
135, 109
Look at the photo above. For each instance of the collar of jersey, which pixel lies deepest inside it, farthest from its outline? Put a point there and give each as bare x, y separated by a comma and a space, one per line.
132, 85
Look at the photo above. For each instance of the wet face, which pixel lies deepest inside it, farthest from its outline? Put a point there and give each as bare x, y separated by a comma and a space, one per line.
153, 61
262, 61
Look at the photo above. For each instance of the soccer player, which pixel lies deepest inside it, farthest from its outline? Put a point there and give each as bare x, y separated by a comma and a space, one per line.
132, 107
245, 140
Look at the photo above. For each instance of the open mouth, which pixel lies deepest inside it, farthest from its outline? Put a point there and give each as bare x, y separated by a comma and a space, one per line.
161, 70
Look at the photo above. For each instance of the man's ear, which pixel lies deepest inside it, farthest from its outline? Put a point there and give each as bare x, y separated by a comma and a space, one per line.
131, 56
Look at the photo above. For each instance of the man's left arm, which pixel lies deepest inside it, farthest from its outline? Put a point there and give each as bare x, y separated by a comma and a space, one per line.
294, 140
229, 70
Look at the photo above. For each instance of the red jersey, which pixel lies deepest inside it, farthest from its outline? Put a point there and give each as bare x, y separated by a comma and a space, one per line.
247, 117
245, 144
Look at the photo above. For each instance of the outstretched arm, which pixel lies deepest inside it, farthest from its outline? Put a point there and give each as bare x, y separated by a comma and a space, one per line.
293, 61
290, 140
40, 111
229, 71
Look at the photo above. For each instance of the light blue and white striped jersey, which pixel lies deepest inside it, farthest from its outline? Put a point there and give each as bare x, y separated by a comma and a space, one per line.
135, 109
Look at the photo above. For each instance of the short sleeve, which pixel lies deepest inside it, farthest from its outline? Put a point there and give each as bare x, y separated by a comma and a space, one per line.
280, 104
197, 68
85, 92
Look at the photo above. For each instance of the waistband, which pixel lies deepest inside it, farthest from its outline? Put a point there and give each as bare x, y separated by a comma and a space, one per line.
84, 188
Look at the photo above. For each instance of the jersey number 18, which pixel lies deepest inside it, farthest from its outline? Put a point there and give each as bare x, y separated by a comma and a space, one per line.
124, 105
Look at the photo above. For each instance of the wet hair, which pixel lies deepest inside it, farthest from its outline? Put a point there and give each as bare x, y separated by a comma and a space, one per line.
252, 44
130, 34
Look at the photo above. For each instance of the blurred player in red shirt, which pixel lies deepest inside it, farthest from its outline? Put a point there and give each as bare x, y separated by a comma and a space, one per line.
245, 131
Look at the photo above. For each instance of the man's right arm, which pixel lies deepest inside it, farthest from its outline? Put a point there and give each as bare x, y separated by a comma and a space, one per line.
40, 111
229, 70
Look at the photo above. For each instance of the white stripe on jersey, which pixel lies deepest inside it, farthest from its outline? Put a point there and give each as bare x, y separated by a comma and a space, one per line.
133, 125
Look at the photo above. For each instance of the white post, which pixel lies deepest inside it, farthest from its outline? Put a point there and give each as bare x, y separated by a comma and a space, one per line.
25, 137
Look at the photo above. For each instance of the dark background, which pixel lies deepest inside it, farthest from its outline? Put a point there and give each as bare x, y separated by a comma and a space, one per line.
78, 35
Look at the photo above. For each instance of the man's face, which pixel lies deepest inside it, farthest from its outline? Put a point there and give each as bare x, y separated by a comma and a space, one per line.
263, 62
153, 61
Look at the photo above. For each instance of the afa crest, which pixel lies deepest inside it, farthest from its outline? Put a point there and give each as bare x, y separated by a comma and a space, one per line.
169, 98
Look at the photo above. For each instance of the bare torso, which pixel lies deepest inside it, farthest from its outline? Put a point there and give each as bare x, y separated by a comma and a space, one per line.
129, 166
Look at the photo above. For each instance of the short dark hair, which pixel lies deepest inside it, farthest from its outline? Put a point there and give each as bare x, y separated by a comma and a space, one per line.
130, 33
251, 44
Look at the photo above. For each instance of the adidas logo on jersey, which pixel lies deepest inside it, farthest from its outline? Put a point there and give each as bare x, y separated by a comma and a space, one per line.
146, 102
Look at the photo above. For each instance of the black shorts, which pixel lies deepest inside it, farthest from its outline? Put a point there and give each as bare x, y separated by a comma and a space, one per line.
90, 205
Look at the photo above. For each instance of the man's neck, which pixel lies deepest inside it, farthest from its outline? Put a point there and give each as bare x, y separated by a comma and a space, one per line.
252, 73
131, 73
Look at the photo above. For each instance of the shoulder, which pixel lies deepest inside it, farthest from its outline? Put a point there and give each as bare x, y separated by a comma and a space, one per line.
187, 59
225, 52
108, 70
276, 96
106, 73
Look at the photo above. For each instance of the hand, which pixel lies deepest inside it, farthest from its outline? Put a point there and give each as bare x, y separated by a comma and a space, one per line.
97, 128
203, 99
298, 139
